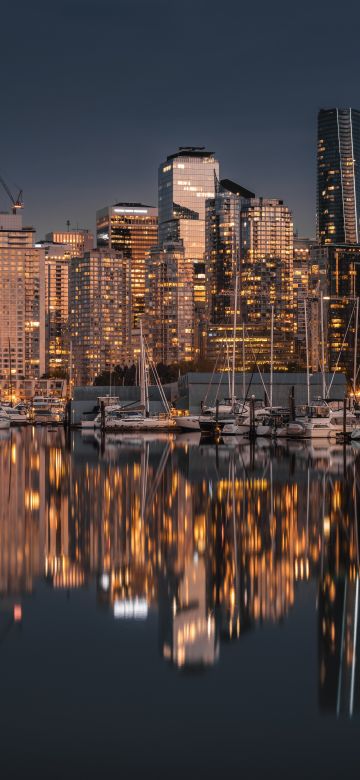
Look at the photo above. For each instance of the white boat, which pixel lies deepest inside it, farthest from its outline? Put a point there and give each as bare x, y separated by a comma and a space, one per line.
136, 421
17, 416
45, 412
122, 419
322, 422
271, 421
4, 420
188, 423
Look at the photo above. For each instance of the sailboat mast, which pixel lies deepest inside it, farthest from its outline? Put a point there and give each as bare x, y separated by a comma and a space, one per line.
234, 338
142, 371
322, 346
272, 355
356, 345
228, 365
243, 360
307, 355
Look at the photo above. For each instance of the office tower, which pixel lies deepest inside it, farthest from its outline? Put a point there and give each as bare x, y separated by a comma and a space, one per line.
266, 279
57, 260
338, 176
222, 260
132, 229
306, 299
99, 292
80, 240
22, 296
343, 265
57, 335
186, 180
170, 304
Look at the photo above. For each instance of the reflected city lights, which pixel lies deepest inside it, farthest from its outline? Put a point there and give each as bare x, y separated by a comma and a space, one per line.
213, 541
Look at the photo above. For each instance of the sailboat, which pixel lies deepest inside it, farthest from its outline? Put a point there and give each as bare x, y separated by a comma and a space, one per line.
120, 419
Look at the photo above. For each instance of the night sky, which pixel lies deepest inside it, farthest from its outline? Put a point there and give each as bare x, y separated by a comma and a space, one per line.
96, 93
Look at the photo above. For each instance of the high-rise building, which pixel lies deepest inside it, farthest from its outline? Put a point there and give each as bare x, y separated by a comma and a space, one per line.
22, 297
266, 278
99, 292
57, 260
186, 180
131, 228
338, 176
170, 304
80, 240
222, 260
343, 266
57, 333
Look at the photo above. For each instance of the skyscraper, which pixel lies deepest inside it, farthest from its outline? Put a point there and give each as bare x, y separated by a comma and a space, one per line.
131, 228
59, 248
343, 265
186, 180
266, 278
338, 176
170, 303
222, 260
22, 297
99, 292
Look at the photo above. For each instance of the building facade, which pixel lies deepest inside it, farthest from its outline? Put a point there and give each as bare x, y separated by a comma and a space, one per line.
338, 176
22, 302
170, 304
80, 240
266, 279
186, 180
99, 292
130, 228
343, 267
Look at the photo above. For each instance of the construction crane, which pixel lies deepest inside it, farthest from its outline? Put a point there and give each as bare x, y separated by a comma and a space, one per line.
15, 204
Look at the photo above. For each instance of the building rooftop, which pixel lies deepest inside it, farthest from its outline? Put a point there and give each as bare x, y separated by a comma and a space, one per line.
190, 151
236, 189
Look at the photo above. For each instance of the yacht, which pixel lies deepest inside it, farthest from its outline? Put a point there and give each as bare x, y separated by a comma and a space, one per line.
125, 419
4, 419
188, 423
121, 420
323, 422
271, 421
46, 411
17, 414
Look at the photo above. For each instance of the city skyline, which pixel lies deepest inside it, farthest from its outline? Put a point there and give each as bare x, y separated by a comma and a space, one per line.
263, 130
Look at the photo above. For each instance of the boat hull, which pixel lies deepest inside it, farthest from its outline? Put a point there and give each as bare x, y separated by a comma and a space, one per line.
188, 423
147, 424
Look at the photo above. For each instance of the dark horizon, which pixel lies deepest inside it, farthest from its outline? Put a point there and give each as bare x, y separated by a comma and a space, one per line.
97, 94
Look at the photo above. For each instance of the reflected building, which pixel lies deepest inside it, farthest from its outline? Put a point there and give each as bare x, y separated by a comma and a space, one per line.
338, 604
22, 506
218, 541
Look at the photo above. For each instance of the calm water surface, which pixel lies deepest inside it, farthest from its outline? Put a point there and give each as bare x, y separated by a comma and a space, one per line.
177, 610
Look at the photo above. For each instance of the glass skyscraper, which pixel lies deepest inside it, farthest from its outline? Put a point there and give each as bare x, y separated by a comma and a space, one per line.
186, 180
338, 176
130, 228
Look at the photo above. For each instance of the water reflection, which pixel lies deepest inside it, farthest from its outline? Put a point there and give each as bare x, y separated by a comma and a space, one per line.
218, 540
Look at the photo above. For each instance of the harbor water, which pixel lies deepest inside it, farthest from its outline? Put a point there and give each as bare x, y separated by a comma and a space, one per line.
177, 609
